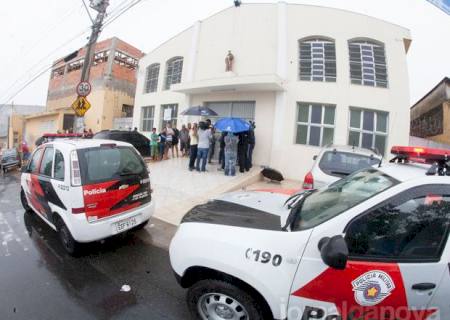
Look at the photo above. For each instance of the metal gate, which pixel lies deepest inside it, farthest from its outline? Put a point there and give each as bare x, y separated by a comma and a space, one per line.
237, 109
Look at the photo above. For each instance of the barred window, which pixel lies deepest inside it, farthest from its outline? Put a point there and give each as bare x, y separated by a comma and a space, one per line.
169, 114
58, 72
317, 60
76, 65
151, 78
368, 129
125, 60
368, 63
174, 68
315, 124
147, 118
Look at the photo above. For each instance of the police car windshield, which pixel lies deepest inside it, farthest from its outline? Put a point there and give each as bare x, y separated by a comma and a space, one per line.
109, 163
341, 196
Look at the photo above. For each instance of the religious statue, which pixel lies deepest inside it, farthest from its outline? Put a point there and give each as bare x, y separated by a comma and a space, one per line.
229, 61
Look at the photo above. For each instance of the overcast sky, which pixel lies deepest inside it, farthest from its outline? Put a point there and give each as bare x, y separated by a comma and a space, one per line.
35, 33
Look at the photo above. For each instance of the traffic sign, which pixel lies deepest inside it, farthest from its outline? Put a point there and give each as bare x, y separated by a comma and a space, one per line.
80, 106
84, 88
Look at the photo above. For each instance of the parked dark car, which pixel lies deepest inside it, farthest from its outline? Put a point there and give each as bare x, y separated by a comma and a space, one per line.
139, 141
9, 159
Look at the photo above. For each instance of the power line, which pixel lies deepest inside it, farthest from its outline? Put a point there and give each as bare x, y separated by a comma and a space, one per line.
27, 84
45, 58
34, 66
87, 11
45, 34
117, 8
108, 21
131, 5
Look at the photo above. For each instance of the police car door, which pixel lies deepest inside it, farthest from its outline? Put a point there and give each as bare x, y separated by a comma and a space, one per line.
31, 185
395, 265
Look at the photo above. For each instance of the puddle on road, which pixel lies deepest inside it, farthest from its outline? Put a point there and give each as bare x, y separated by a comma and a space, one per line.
8, 235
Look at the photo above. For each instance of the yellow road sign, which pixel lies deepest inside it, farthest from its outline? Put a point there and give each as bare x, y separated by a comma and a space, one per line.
80, 106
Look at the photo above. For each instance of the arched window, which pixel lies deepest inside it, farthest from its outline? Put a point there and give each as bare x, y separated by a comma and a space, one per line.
368, 63
317, 59
174, 68
151, 78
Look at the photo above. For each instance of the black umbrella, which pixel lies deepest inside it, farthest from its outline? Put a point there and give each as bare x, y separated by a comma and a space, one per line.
199, 111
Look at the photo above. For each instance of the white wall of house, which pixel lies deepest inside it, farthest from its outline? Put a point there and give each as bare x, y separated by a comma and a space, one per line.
264, 40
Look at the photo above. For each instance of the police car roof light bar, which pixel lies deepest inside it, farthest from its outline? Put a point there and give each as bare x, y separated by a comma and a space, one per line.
438, 158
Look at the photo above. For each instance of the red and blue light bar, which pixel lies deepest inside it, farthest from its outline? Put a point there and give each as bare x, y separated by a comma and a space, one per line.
421, 154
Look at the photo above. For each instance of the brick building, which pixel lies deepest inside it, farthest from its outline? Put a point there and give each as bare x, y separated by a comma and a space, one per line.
113, 80
430, 116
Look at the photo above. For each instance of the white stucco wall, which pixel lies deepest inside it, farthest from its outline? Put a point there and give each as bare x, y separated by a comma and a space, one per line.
264, 40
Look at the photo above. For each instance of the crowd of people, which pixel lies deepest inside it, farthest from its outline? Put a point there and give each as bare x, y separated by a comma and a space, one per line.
197, 141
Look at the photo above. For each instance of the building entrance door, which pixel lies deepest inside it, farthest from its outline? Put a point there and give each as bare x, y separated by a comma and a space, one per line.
237, 109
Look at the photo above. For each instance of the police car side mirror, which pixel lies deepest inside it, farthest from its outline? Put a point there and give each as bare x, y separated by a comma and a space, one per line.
334, 252
315, 157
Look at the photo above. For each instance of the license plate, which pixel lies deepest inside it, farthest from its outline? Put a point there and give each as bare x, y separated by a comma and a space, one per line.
125, 224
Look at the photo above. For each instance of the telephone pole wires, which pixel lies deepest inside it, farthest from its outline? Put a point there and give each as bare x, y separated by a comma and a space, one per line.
99, 6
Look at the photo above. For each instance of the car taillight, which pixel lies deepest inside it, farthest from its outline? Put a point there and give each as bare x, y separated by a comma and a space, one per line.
308, 182
75, 166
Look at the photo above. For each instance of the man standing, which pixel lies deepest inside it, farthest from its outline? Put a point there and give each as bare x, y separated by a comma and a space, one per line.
154, 137
176, 140
222, 151
169, 140
184, 140
189, 127
242, 150
162, 144
204, 137
251, 146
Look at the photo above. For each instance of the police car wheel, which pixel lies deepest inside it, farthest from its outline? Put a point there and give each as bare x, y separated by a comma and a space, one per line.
218, 300
68, 242
24, 201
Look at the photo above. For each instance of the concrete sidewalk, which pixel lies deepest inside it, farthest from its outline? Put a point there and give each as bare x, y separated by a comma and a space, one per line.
176, 189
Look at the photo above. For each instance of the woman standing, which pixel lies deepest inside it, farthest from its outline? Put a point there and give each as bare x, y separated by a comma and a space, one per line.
231, 142
193, 136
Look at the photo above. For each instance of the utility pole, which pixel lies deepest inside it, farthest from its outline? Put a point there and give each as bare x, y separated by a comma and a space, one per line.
99, 6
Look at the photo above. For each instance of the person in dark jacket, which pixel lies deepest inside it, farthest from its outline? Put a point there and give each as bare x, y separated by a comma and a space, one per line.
251, 146
162, 144
242, 151
222, 151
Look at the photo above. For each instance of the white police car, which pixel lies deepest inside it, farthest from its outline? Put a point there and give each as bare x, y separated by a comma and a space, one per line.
87, 190
335, 162
373, 245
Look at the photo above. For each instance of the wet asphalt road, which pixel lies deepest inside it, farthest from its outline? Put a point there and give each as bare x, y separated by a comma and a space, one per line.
38, 280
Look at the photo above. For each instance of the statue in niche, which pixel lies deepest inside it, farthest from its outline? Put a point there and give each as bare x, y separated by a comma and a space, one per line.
229, 61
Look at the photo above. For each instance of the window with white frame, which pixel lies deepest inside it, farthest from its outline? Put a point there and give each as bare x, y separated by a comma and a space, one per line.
315, 123
317, 60
368, 63
174, 69
151, 78
147, 118
169, 114
368, 129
